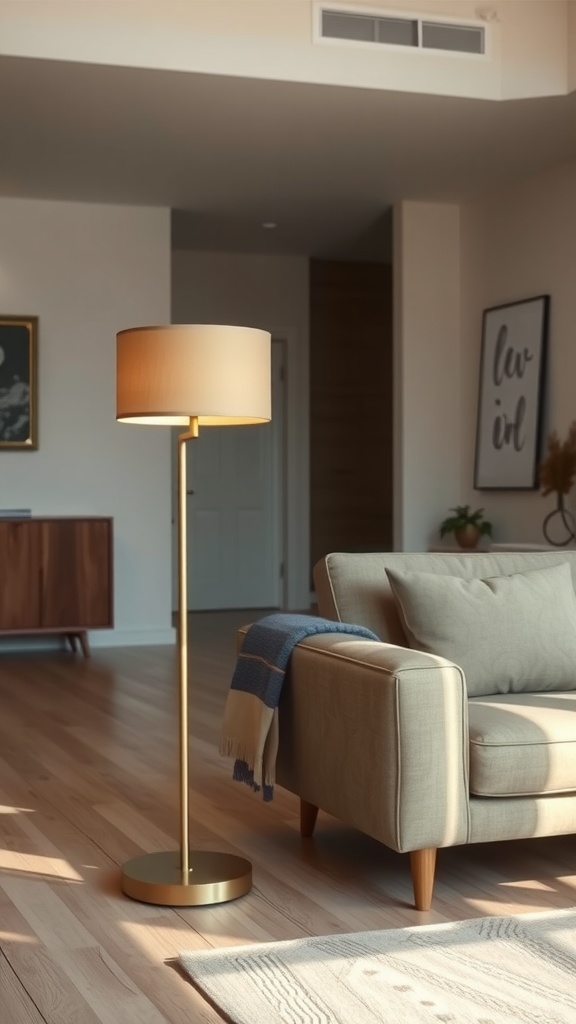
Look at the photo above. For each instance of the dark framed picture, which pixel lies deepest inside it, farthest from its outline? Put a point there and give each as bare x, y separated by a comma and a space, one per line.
18, 384
509, 425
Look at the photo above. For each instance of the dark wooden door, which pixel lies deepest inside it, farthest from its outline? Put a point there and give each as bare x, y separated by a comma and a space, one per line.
351, 407
19, 575
76, 573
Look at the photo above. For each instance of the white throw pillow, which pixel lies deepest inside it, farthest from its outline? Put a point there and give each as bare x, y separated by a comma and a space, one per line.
510, 634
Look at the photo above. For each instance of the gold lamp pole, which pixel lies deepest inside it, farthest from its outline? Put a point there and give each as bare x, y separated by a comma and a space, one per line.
191, 375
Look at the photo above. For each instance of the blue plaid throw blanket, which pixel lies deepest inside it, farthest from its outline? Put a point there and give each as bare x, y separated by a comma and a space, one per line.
250, 728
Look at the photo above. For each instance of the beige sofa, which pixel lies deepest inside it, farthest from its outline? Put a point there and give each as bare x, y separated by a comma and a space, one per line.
387, 737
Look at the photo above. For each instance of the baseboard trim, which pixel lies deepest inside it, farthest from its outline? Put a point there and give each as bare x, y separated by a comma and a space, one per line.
133, 637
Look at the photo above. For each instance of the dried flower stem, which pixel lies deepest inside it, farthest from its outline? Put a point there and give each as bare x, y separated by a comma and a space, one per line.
558, 470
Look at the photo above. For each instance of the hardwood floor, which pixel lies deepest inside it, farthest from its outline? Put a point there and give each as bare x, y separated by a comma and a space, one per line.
88, 779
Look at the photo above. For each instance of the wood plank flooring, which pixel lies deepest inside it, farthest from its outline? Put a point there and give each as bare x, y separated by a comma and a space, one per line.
88, 779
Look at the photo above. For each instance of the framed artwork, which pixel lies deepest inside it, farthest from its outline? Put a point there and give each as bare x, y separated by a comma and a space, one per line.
18, 384
509, 425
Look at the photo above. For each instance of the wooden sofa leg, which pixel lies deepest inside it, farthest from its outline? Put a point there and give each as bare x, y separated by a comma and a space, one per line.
308, 815
422, 865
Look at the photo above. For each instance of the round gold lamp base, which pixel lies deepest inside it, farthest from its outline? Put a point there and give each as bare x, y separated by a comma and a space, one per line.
212, 878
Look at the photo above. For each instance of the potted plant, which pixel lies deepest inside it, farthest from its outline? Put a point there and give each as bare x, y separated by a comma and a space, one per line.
467, 526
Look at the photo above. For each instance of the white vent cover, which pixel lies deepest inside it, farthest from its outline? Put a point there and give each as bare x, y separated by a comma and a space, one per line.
413, 31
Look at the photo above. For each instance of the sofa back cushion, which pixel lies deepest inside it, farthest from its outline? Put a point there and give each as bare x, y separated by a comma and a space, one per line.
510, 634
354, 587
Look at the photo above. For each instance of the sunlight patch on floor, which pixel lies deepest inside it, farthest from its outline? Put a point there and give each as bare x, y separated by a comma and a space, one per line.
55, 867
525, 884
24, 940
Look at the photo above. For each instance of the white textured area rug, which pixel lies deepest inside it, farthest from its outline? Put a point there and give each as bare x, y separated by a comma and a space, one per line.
492, 970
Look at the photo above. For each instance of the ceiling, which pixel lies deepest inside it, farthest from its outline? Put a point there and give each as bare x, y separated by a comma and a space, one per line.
226, 154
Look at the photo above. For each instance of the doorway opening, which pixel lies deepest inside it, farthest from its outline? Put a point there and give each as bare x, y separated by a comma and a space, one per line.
235, 509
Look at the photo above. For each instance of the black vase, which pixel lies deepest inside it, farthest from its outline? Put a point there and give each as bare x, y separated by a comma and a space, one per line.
559, 527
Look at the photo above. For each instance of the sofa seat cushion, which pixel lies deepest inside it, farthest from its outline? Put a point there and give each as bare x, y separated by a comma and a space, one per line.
522, 744
510, 634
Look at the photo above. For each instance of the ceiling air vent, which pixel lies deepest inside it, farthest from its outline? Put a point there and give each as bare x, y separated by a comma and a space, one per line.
412, 31
437, 35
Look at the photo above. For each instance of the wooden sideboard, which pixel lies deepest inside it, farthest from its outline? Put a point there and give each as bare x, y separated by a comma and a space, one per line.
56, 576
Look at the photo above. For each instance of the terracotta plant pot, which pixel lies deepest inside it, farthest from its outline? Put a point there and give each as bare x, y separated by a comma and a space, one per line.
467, 537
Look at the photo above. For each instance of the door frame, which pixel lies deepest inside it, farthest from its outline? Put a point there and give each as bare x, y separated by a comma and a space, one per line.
280, 468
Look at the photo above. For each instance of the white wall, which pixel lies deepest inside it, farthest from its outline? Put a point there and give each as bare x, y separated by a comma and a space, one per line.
427, 409
518, 243
270, 292
449, 265
273, 39
88, 271
534, 55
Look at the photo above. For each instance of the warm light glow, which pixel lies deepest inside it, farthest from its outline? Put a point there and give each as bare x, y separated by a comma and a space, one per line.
217, 374
4, 809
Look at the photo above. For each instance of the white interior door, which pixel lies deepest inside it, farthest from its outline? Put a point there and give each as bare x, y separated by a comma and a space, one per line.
234, 479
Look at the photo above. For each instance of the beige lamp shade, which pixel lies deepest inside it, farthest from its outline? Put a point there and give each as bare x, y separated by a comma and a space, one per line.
219, 374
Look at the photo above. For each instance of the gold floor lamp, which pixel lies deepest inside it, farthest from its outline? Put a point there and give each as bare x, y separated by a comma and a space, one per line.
191, 375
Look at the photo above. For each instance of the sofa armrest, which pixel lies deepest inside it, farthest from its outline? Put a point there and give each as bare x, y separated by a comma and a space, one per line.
377, 735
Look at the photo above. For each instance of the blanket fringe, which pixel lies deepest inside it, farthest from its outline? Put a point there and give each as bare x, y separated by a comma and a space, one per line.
243, 773
231, 746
